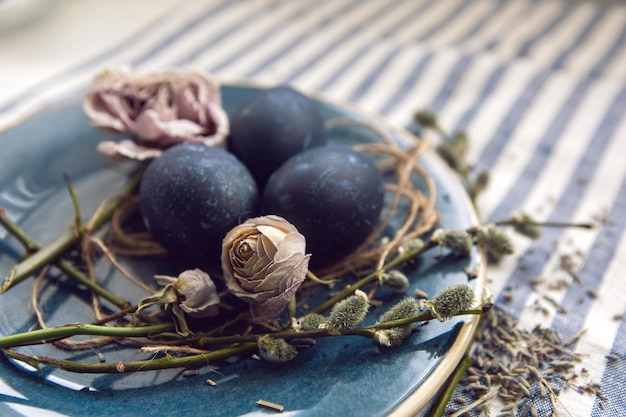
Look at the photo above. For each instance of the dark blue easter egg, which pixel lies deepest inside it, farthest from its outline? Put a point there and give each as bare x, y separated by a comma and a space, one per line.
271, 126
332, 194
192, 195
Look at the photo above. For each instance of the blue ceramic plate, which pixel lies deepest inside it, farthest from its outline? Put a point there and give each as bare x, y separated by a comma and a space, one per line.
343, 376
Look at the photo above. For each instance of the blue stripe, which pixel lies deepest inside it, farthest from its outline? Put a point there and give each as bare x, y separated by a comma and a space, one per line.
195, 23
599, 69
582, 36
603, 250
612, 379
398, 27
115, 50
541, 154
362, 26
492, 15
234, 26
550, 27
532, 262
454, 79
261, 38
407, 84
365, 85
446, 21
521, 18
490, 86
510, 122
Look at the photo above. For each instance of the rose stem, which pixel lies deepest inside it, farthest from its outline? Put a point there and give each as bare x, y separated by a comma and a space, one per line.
133, 366
61, 244
406, 256
61, 332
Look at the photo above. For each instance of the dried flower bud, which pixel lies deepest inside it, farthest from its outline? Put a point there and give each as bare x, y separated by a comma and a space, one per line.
458, 241
311, 321
264, 263
276, 350
196, 293
349, 312
407, 307
494, 240
426, 118
451, 301
395, 280
160, 109
525, 225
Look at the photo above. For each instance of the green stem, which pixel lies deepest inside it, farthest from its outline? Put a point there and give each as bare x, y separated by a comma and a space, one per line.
29, 244
75, 201
132, 366
42, 335
364, 331
513, 222
450, 387
373, 276
52, 251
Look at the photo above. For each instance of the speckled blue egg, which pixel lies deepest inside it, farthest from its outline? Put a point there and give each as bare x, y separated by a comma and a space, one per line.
192, 195
332, 194
271, 126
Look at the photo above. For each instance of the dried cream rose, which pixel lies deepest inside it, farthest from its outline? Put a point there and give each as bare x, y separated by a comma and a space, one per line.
160, 109
264, 263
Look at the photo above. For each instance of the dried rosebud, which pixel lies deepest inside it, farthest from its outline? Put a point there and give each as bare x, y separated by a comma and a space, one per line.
264, 263
494, 240
395, 280
348, 313
451, 301
159, 109
276, 350
196, 293
407, 307
458, 241
312, 321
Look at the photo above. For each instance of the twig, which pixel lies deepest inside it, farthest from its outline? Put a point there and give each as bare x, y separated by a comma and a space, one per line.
42, 335
131, 366
52, 251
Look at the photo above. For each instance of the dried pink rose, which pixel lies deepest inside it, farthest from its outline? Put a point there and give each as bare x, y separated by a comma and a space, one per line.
160, 109
264, 263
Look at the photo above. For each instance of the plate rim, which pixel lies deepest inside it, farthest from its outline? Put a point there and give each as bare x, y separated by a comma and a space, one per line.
417, 401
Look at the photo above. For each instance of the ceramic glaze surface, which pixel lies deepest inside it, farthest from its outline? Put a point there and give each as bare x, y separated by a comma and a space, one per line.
343, 376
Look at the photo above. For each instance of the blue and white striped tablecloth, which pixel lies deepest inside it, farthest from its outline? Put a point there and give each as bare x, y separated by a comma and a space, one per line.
540, 85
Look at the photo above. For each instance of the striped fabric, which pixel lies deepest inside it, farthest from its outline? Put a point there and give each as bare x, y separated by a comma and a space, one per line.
540, 85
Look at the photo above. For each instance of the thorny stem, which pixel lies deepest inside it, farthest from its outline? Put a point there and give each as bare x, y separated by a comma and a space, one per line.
132, 366
52, 251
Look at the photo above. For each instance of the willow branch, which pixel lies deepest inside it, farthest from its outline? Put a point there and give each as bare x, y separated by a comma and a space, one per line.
368, 279
52, 251
61, 332
131, 366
